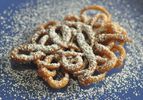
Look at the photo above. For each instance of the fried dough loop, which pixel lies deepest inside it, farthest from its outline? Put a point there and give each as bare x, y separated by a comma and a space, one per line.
80, 45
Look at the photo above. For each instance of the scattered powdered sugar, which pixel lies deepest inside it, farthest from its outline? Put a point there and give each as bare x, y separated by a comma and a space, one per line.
21, 81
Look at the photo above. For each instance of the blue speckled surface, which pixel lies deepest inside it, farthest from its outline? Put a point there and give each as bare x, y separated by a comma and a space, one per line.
134, 4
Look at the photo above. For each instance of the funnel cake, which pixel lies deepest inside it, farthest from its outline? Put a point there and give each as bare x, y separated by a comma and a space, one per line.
80, 45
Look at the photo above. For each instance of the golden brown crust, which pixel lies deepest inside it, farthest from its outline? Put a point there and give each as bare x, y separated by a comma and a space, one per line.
79, 45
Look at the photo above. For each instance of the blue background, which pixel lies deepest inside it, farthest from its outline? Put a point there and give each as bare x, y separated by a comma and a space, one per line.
4, 4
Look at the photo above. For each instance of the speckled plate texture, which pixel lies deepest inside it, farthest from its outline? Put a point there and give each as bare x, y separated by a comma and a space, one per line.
20, 81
